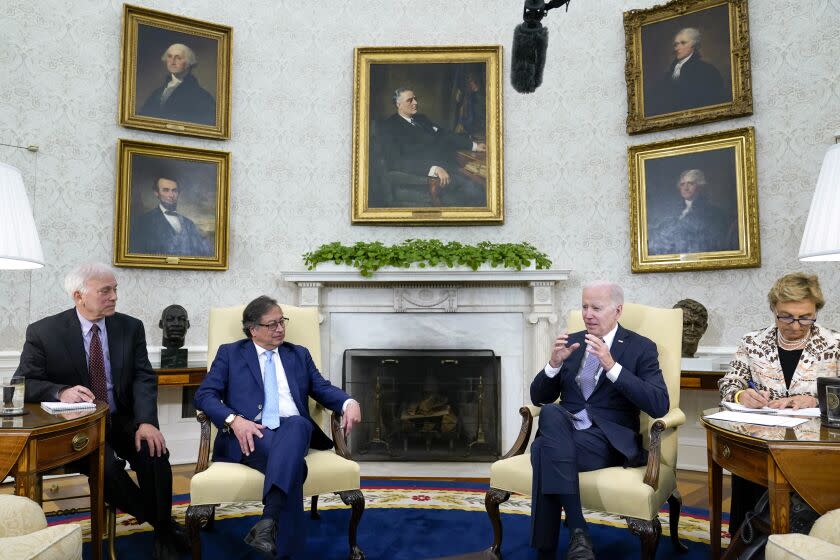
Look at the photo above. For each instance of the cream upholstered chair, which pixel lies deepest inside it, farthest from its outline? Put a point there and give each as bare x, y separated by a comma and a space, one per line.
636, 493
24, 534
329, 471
822, 543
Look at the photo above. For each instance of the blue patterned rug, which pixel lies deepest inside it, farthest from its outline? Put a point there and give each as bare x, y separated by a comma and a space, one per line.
409, 520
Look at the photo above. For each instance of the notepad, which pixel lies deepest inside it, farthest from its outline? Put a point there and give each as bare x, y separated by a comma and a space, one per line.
760, 419
56, 407
807, 412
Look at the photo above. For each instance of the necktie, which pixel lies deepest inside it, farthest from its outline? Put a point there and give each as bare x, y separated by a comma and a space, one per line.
96, 366
271, 408
581, 419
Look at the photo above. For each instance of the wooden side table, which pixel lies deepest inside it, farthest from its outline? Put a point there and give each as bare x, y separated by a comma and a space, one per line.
39, 441
181, 377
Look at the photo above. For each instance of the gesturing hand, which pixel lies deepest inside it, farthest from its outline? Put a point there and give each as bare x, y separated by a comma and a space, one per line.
561, 350
245, 430
599, 348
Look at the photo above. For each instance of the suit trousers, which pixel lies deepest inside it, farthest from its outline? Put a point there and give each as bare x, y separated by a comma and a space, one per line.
280, 456
151, 501
558, 454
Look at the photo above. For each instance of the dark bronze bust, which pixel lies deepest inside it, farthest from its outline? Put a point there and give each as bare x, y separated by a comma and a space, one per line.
174, 322
695, 322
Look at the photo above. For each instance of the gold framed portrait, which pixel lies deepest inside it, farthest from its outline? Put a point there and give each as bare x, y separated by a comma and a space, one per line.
694, 203
687, 62
175, 74
427, 136
171, 207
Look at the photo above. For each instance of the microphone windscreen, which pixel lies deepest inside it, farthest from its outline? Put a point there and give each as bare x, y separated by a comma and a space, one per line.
528, 58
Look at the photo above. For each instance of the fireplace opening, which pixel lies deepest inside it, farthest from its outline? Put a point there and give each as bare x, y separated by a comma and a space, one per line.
424, 405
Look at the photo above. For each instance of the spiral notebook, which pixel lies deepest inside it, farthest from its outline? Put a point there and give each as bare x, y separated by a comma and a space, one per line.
56, 407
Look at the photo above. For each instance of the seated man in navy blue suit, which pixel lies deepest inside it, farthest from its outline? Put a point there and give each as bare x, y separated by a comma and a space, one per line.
605, 376
257, 393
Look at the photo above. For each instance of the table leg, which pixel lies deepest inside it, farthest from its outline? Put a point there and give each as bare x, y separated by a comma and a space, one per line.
779, 494
97, 500
715, 498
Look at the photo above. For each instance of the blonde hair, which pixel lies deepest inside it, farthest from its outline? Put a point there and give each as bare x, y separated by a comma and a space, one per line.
796, 286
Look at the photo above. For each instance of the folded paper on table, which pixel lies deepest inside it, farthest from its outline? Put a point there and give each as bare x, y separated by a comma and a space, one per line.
761, 419
806, 412
56, 407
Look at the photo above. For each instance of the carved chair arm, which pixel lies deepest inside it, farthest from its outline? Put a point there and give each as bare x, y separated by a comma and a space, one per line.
673, 419
528, 412
203, 443
341, 447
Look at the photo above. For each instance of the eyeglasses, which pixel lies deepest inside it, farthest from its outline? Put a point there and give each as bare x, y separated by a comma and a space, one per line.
274, 325
804, 321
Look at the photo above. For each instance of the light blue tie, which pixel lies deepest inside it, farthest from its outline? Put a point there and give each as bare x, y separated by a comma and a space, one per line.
581, 420
271, 408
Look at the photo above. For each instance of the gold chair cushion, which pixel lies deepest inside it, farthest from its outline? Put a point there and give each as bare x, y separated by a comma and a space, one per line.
233, 482
24, 533
795, 546
615, 490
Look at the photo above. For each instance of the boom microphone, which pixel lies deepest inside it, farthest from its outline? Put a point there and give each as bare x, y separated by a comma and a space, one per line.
530, 42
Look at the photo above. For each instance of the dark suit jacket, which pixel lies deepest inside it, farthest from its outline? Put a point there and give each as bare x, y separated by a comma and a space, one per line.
415, 149
704, 228
613, 407
151, 233
699, 85
54, 357
189, 102
234, 385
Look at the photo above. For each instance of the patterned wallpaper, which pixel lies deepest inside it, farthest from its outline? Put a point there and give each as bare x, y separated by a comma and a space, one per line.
565, 146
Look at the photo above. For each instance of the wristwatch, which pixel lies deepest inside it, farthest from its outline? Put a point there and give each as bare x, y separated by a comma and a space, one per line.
230, 418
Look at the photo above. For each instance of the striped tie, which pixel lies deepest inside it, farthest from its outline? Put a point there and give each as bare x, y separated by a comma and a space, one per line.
581, 419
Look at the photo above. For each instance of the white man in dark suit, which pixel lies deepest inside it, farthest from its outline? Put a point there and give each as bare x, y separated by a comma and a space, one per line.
91, 352
180, 97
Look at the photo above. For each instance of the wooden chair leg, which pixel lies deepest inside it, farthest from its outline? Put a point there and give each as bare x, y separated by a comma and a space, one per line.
492, 499
649, 532
674, 506
196, 518
313, 511
356, 500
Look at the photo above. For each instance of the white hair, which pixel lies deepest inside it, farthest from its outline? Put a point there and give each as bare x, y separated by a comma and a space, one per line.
693, 35
188, 53
616, 292
77, 279
694, 175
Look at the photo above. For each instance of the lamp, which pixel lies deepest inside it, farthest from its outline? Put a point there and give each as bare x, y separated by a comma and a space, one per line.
821, 240
20, 247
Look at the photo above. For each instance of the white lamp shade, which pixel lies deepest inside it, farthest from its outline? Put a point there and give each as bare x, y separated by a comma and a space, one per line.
821, 240
20, 247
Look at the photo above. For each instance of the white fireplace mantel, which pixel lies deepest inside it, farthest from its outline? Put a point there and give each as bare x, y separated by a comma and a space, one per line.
512, 312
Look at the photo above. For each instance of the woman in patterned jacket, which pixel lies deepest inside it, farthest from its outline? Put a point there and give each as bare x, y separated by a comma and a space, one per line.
778, 366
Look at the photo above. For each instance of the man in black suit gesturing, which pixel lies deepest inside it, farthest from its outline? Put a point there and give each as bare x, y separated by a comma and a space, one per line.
605, 374
91, 352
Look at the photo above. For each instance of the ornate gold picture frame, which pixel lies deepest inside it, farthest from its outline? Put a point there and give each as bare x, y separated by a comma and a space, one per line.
427, 136
688, 62
171, 207
175, 74
694, 203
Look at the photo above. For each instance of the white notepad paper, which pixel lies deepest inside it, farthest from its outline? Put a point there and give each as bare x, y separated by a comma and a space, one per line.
760, 419
56, 407
807, 412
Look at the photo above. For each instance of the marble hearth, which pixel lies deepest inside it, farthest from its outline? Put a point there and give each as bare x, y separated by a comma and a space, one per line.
512, 313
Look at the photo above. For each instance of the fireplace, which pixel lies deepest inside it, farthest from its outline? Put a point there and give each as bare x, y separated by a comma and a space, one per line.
425, 405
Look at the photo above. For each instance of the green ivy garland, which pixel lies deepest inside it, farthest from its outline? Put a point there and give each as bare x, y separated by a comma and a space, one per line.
369, 257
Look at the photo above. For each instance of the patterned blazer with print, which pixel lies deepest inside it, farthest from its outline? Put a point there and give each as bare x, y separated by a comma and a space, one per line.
757, 359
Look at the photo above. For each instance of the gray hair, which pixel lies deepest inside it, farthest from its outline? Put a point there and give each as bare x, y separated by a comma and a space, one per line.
696, 175
399, 91
188, 53
77, 279
616, 292
254, 311
693, 35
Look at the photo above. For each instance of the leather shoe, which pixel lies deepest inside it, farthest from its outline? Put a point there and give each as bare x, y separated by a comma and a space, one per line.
179, 537
164, 548
580, 546
263, 537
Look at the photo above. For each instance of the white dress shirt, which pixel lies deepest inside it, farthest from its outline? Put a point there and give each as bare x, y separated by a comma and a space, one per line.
612, 374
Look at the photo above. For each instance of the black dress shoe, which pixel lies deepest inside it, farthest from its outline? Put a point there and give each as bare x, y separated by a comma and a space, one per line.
179, 537
164, 548
263, 537
580, 546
